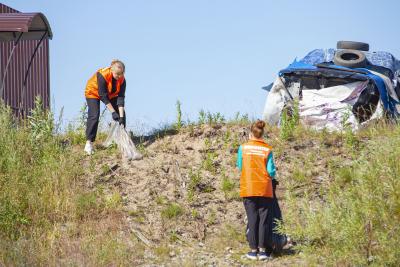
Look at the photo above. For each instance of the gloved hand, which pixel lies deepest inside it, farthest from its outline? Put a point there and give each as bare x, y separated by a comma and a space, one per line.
115, 116
122, 121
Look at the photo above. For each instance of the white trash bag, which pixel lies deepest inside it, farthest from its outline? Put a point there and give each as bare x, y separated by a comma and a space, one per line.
121, 138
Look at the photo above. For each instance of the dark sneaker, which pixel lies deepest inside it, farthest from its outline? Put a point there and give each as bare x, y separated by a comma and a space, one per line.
251, 255
262, 256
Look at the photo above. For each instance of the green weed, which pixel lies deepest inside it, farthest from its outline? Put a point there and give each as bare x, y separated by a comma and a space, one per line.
349, 136
41, 196
194, 181
210, 118
40, 122
212, 218
114, 201
208, 162
142, 149
356, 221
87, 204
137, 215
289, 121
171, 211
178, 124
160, 200
195, 214
202, 117
235, 142
241, 119
215, 118
227, 138
173, 236
227, 184
229, 188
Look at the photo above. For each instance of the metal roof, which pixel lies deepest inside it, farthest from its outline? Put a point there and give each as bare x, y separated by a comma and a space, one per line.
27, 26
24, 60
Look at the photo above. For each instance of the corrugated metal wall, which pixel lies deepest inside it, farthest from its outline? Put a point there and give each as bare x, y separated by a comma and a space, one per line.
38, 81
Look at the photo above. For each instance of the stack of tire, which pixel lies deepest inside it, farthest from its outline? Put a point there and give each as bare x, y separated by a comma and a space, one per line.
350, 54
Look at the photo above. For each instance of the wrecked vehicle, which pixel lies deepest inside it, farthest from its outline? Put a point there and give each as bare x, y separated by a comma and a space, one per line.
337, 88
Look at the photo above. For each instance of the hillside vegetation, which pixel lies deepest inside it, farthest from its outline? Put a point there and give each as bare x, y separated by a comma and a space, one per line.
179, 206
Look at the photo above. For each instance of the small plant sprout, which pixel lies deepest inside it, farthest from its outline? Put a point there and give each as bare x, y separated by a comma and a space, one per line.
289, 121
178, 124
171, 211
202, 117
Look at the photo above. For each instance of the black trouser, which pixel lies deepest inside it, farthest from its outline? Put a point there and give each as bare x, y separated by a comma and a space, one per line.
257, 213
93, 116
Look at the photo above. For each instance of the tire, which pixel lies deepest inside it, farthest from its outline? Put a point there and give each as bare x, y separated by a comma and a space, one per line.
352, 45
350, 59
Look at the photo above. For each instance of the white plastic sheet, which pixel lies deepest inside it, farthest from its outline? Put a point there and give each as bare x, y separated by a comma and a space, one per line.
121, 138
324, 108
328, 108
276, 99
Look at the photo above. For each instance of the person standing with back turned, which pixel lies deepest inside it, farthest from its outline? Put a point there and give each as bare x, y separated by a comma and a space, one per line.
256, 163
108, 86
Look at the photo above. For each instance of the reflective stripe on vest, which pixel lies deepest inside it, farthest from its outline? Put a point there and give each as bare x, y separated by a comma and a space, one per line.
92, 87
255, 180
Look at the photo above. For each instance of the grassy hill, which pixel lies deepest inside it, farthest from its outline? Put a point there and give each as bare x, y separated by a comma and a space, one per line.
179, 206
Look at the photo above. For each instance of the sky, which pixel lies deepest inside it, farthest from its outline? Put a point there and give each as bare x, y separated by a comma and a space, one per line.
208, 54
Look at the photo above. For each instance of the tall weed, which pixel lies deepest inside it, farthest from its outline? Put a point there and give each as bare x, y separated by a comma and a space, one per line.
178, 124
289, 121
356, 221
40, 191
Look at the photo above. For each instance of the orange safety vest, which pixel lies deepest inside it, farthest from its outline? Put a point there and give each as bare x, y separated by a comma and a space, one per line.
92, 87
255, 180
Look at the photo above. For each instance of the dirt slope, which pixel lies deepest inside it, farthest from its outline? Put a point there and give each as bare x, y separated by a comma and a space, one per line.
181, 200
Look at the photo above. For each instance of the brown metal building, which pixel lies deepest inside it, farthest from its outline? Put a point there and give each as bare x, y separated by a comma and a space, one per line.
24, 59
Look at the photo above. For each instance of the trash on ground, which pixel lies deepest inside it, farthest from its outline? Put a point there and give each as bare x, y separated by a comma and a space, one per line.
337, 88
121, 138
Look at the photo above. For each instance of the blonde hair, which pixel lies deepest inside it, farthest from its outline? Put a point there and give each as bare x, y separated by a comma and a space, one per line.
257, 128
121, 66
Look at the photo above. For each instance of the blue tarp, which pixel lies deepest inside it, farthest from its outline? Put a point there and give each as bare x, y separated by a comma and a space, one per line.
330, 70
379, 58
388, 102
